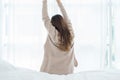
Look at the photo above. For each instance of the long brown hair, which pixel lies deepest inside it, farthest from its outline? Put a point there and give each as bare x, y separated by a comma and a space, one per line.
64, 33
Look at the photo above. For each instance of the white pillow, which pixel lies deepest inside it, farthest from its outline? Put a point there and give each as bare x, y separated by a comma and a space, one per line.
5, 66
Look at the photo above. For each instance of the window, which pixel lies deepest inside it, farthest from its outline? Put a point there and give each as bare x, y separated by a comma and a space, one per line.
95, 22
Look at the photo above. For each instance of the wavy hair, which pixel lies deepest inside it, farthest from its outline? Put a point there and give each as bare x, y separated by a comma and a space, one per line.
64, 34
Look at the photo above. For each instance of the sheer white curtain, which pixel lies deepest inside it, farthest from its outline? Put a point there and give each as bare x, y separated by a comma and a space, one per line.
0, 27
94, 22
24, 33
116, 40
1, 6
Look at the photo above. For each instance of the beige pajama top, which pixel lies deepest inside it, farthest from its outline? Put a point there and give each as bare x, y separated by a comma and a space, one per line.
55, 60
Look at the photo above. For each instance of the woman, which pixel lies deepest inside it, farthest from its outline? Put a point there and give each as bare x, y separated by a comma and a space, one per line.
59, 55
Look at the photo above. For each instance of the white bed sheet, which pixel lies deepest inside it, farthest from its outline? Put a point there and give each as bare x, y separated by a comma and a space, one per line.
95, 75
24, 74
9, 72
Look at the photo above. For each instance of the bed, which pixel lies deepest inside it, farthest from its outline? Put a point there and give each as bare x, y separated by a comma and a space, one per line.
9, 72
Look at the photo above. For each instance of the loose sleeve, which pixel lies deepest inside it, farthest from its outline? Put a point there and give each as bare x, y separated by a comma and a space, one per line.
51, 30
64, 13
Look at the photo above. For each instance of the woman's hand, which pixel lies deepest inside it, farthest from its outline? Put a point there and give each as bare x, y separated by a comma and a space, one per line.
75, 62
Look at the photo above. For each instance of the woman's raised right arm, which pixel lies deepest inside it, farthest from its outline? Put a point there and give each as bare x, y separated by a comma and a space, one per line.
64, 13
65, 16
